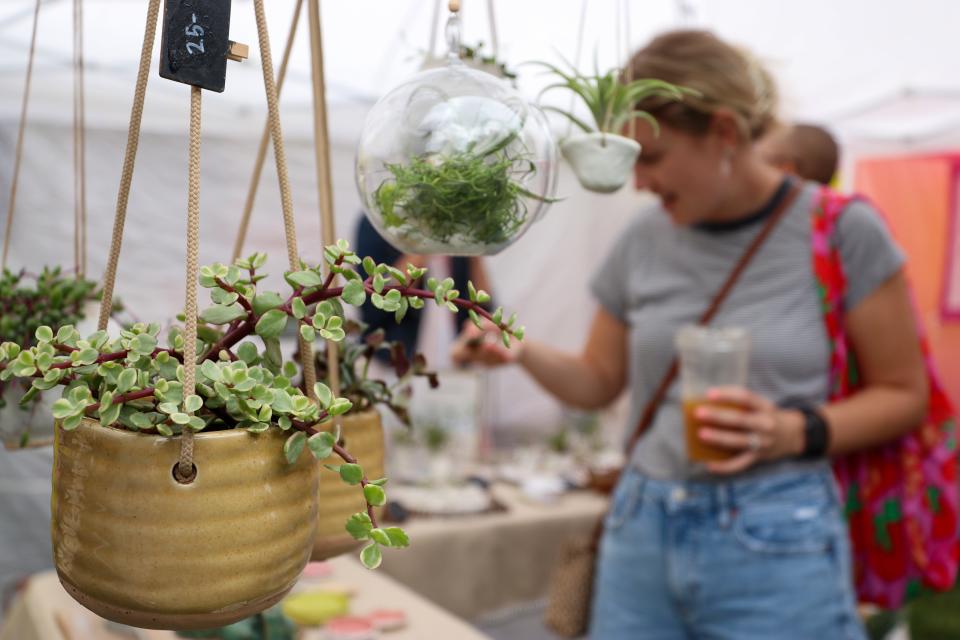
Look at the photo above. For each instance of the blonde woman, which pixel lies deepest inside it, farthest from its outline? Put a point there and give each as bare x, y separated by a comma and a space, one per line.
753, 547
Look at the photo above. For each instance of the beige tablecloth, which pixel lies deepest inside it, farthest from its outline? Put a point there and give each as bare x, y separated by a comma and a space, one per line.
44, 611
479, 565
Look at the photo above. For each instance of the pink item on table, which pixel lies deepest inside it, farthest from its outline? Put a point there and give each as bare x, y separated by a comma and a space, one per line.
349, 628
315, 570
388, 619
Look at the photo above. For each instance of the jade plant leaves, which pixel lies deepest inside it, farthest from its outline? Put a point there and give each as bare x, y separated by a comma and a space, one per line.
321, 445
371, 556
293, 447
354, 293
359, 526
223, 314
351, 473
272, 324
242, 379
375, 495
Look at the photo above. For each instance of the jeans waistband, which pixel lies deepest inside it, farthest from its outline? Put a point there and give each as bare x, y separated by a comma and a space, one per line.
724, 495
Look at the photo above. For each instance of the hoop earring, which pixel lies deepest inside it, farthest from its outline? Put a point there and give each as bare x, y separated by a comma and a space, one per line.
726, 162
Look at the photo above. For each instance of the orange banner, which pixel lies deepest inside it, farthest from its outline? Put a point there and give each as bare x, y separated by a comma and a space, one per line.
918, 195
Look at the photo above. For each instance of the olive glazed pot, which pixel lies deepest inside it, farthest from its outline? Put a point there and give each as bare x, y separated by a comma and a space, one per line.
134, 546
362, 435
603, 162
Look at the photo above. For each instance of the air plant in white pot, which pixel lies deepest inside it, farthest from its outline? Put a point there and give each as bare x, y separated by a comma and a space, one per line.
600, 156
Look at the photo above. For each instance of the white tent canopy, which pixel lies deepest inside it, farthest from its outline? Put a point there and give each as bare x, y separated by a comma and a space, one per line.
836, 61
882, 74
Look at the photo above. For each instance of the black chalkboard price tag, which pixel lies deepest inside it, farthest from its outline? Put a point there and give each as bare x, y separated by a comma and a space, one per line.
195, 42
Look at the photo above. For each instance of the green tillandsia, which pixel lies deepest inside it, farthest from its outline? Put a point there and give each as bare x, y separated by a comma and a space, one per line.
242, 381
610, 101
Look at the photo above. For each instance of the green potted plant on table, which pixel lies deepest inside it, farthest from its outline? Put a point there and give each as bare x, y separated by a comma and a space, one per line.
28, 301
137, 542
361, 426
601, 157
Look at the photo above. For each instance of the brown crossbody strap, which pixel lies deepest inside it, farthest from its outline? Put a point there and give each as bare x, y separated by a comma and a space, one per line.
650, 411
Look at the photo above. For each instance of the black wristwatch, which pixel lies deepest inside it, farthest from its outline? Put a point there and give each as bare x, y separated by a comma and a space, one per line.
816, 431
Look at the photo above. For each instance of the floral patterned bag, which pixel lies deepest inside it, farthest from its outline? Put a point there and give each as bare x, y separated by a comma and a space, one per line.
902, 497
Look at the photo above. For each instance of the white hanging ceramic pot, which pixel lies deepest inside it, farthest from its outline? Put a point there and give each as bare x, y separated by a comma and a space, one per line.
603, 162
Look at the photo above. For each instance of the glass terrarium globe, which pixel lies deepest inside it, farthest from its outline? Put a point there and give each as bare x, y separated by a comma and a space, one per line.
454, 161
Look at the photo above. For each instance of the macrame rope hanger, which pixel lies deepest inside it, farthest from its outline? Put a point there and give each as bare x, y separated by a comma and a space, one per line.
185, 470
323, 168
79, 143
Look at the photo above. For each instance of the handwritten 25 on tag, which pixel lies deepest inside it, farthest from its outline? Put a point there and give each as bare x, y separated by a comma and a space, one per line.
195, 42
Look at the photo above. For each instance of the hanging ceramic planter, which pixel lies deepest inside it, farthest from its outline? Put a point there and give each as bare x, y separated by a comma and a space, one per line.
454, 161
603, 162
602, 158
145, 536
362, 434
133, 545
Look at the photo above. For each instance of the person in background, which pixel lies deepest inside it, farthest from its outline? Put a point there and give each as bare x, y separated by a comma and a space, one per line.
460, 268
804, 150
755, 546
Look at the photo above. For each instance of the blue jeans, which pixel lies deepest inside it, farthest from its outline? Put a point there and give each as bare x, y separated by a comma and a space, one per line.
754, 558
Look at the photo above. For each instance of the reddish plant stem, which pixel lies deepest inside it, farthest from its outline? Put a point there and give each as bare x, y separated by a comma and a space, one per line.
116, 355
241, 299
106, 357
230, 338
407, 292
247, 328
332, 274
126, 397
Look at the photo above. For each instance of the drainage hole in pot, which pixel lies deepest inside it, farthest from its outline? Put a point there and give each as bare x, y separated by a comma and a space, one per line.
181, 479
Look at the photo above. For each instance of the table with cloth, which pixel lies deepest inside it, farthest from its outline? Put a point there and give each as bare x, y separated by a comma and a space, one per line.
44, 611
480, 565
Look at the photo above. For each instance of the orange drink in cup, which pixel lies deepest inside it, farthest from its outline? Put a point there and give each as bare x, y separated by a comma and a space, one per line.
709, 358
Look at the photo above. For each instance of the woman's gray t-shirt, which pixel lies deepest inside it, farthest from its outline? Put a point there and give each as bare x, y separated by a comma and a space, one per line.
660, 276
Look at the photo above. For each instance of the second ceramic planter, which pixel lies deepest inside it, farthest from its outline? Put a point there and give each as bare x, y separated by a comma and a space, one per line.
362, 435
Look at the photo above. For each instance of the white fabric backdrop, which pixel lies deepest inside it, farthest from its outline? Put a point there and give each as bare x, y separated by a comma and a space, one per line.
845, 64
